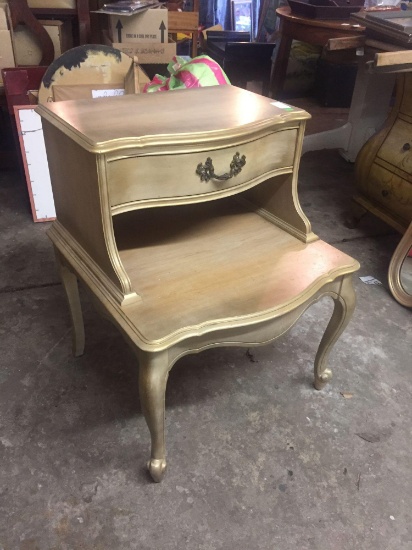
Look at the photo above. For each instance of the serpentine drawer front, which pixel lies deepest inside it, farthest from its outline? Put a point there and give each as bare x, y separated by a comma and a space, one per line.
389, 190
397, 148
383, 166
148, 177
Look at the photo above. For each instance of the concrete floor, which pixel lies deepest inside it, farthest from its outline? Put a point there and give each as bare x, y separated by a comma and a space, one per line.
257, 458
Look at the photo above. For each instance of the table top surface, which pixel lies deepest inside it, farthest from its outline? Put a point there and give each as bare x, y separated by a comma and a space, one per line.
180, 116
341, 24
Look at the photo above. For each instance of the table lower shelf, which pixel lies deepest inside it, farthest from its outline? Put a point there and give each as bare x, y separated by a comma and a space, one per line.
208, 274
215, 263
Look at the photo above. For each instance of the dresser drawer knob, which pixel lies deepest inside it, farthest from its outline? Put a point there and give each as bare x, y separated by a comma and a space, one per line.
406, 146
206, 171
385, 193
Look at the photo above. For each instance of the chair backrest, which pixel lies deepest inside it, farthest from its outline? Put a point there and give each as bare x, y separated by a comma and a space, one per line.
227, 36
216, 41
247, 61
241, 59
259, 53
20, 13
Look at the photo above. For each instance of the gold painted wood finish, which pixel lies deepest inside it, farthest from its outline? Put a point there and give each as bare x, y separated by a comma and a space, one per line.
395, 267
215, 115
175, 174
177, 264
383, 166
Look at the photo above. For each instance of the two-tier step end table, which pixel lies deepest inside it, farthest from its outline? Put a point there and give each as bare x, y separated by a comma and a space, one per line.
179, 211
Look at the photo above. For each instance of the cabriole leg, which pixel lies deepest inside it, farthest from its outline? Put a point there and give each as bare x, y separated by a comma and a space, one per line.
342, 313
153, 374
71, 289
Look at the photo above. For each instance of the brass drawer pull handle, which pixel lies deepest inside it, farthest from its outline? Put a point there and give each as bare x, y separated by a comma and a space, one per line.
206, 171
406, 146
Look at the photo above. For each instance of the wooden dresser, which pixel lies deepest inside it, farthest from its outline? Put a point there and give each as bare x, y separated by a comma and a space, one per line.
384, 165
179, 211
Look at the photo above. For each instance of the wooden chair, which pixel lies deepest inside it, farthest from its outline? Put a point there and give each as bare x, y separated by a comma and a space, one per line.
186, 22
79, 12
22, 13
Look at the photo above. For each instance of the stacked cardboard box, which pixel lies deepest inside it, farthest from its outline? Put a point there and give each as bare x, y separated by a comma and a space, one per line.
144, 35
6, 47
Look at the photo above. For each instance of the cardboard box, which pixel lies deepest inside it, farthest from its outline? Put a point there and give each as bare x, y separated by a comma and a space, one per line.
150, 26
6, 50
132, 83
4, 17
135, 79
33, 96
86, 91
27, 49
148, 53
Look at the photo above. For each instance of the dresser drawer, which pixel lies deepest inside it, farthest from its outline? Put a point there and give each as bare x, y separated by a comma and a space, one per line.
390, 191
151, 177
397, 147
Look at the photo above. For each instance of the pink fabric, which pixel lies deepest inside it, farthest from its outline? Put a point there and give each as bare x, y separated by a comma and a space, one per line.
184, 73
189, 79
215, 68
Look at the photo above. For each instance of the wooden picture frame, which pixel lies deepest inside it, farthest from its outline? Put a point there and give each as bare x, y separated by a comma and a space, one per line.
36, 167
246, 7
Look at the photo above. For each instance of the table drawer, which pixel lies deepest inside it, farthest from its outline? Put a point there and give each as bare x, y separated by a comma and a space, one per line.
389, 190
151, 177
397, 147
